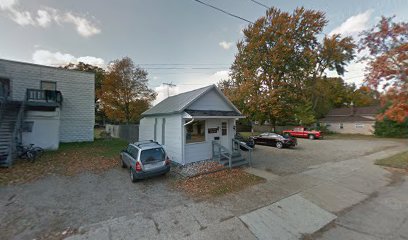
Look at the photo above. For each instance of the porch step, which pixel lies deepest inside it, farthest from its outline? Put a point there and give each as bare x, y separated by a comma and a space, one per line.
236, 161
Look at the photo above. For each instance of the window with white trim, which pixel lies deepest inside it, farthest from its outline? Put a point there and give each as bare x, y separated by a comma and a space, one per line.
359, 125
195, 131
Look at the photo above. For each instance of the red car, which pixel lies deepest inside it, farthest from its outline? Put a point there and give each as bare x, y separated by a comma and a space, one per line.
302, 132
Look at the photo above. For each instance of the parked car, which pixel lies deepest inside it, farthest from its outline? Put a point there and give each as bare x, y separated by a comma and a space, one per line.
304, 133
249, 142
145, 159
274, 139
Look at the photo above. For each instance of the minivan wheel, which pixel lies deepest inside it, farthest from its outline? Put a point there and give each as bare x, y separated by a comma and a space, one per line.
132, 175
311, 137
279, 145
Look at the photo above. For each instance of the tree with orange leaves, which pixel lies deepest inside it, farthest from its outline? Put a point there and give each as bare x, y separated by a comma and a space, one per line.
124, 93
275, 72
387, 46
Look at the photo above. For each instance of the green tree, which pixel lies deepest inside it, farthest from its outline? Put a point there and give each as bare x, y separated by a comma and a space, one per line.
365, 96
279, 62
124, 93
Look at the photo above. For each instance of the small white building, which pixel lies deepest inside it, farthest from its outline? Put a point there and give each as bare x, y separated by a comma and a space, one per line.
351, 120
187, 124
44, 106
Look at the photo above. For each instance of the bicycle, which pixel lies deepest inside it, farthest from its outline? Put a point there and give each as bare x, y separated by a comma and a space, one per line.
29, 152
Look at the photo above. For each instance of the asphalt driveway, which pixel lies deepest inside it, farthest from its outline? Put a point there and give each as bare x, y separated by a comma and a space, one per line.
56, 203
313, 152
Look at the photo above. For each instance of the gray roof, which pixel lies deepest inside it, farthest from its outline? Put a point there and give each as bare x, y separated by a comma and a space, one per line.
338, 119
178, 103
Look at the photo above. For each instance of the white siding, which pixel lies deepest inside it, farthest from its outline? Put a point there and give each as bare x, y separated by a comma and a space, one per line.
146, 129
77, 115
197, 152
173, 134
211, 101
202, 151
350, 128
45, 129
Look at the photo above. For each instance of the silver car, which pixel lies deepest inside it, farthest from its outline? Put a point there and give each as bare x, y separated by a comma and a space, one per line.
145, 159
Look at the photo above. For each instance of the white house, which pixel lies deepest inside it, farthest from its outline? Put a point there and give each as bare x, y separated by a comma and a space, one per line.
353, 120
43, 105
188, 123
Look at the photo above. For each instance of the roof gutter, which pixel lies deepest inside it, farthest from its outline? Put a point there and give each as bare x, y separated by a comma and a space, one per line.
189, 122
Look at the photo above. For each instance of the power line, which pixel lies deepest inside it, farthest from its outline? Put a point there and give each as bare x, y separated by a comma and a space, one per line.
223, 11
259, 3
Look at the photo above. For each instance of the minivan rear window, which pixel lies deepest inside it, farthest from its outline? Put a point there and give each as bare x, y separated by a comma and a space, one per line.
152, 155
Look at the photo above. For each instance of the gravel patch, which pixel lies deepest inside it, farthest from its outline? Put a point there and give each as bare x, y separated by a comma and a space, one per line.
314, 152
46, 208
198, 168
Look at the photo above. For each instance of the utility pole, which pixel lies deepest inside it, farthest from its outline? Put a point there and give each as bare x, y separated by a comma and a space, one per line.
169, 85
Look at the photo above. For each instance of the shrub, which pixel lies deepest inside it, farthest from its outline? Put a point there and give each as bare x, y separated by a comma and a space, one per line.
390, 128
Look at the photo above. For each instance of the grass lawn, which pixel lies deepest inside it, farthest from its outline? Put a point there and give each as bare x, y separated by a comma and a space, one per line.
397, 161
70, 159
218, 183
248, 134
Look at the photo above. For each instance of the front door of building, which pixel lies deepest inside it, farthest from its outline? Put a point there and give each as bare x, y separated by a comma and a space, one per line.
4, 88
224, 134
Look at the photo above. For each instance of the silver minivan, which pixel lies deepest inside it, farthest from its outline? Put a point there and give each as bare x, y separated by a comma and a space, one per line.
145, 159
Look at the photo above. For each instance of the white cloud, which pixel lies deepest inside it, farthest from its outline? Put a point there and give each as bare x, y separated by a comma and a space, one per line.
226, 45
7, 4
191, 84
44, 18
354, 24
163, 91
354, 71
22, 18
92, 60
83, 25
46, 57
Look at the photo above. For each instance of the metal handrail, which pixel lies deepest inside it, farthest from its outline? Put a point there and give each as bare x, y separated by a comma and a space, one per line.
226, 152
43, 95
17, 129
238, 143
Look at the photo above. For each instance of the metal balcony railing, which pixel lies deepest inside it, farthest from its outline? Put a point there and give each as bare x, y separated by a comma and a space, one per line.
37, 95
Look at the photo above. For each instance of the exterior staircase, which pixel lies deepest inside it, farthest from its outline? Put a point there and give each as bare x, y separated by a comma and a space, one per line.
9, 119
237, 160
232, 158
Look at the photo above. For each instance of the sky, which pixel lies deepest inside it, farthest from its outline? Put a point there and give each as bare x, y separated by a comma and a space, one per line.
180, 41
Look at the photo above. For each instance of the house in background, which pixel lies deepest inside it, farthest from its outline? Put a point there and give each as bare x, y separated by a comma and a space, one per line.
189, 124
354, 120
43, 105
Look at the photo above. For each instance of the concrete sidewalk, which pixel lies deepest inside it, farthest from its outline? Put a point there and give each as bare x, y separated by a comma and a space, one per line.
384, 216
286, 207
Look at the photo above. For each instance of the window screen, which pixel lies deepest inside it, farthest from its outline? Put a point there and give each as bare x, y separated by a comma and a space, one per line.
195, 131
224, 128
47, 85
